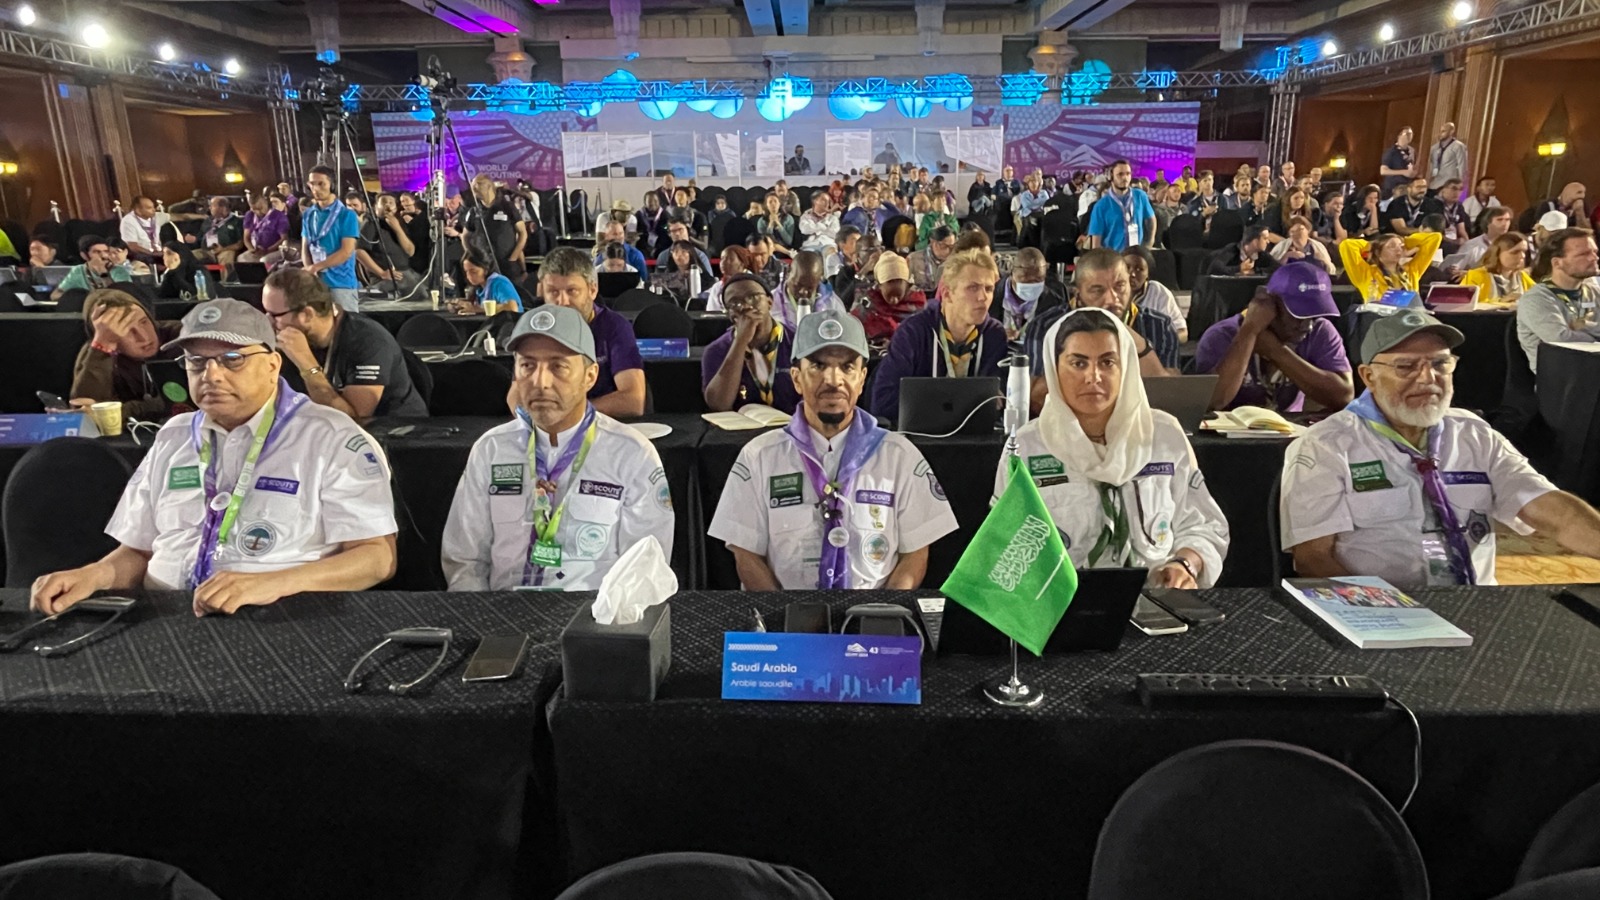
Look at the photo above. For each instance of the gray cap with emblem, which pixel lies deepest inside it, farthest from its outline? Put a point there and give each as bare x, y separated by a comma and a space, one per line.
1392, 330
829, 328
229, 321
561, 324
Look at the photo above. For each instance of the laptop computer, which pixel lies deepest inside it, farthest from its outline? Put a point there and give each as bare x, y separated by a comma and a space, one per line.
250, 272
52, 276
1452, 297
1096, 620
8, 275
950, 405
1186, 397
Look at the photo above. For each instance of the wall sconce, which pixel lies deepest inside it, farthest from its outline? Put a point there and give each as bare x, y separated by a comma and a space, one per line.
233, 177
8, 168
1338, 162
1554, 148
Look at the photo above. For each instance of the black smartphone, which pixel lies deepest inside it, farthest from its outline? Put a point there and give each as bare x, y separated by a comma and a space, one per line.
1186, 605
52, 402
1153, 620
497, 658
807, 618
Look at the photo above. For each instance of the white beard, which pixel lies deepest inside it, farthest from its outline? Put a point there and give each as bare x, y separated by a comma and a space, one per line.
1422, 417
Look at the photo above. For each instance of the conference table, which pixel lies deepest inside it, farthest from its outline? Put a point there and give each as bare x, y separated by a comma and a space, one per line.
1570, 408
227, 746
957, 798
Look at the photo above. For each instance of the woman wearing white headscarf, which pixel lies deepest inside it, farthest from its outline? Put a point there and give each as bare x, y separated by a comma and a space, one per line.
1119, 478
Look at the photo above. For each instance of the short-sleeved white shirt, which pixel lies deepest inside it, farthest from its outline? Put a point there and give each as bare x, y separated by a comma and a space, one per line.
1167, 501
318, 483
1342, 478
615, 500
768, 507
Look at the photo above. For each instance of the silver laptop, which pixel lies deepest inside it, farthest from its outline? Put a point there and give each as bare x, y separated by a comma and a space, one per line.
1186, 397
52, 275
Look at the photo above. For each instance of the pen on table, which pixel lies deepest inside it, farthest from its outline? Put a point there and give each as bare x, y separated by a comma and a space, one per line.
761, 624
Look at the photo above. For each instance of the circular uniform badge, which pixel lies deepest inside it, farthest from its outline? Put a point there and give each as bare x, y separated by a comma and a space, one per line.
876, 548
831, 330
543, 320
1413, 319
257, 539
838, 536
211, 315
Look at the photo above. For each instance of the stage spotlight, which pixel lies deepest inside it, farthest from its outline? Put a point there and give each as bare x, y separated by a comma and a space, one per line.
26, 16
1386, 33
167, 52
232, 66
1461, 11
96, 36
1329, 48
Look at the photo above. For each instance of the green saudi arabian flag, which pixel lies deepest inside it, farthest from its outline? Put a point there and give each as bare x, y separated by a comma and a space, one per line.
1016, 574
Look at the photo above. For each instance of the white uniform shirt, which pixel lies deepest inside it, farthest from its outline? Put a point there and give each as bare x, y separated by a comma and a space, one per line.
135, 235
320, 482
1342, 478
769, 508
615, 500
1167, 503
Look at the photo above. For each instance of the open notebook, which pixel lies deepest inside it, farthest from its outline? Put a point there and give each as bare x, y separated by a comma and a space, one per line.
749, 417
1252, 421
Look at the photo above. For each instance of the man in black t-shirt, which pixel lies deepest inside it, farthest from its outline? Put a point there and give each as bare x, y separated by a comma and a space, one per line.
508, 234
347, 361
1399, 162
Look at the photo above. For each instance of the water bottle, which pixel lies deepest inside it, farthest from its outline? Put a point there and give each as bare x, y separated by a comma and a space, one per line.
202, 291
694, 281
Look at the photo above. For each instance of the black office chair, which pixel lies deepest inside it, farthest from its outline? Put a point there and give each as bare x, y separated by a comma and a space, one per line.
663, 320
615, 284
429, 330
738, 200
421, 375
1165, 270
1282, 560
1255, 820
755, 194
695, 876
1227, 227
102, 876
1518, 414
470, 387
1058, 235
1583, 884
73, 474
72, 301
1567, 842
1186, 232
635, 300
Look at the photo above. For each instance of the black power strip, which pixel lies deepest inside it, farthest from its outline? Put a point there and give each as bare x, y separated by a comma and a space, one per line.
1170, 690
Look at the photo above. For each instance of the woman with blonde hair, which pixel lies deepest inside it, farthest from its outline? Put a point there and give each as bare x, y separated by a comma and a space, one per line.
1380, 266
1504, 274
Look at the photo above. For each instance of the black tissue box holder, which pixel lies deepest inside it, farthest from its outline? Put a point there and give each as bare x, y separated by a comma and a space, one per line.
616, 662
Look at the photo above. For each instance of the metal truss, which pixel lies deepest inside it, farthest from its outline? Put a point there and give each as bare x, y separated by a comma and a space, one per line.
1559, 15
197, 78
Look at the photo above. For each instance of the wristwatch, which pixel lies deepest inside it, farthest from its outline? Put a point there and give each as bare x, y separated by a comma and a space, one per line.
1186, 566
314, 370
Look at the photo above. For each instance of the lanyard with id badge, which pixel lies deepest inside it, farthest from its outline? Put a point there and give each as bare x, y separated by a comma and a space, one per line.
1126, 205
544, 551
326, 219
222, 509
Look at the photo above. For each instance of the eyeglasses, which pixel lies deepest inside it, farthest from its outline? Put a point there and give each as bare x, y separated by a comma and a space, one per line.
1412, 367
278, 315
233, 360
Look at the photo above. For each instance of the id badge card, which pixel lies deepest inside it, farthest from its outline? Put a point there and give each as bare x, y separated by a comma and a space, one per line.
318, 254
546, 554
1437, 557
1133, 235
211, 240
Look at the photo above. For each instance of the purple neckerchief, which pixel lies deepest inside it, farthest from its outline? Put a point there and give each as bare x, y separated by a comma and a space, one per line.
1018, 309
861, 441
544, 471
1366, 408
285, 403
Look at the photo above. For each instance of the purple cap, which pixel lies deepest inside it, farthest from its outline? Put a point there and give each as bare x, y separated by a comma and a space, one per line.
1305, 289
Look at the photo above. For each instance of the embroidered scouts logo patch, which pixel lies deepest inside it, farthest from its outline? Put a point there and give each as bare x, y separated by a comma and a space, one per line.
505, 480
1478, 527
209, 316
664, 496
1368, 476
591, 540
543, 320
935, 486
831, 330
183, 477
784, 490
875, 548
257, 538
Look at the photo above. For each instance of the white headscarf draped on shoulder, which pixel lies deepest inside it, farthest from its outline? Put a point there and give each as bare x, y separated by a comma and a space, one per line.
1128, 434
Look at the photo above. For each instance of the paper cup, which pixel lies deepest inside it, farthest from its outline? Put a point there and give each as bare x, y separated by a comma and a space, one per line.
107, 417
490, 307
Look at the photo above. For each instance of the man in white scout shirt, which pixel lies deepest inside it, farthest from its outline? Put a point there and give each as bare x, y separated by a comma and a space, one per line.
552, 498
832, 500
1401, 486
259, 495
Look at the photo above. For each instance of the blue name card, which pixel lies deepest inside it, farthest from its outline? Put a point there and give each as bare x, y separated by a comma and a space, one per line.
821, 668
36, 428
663, 348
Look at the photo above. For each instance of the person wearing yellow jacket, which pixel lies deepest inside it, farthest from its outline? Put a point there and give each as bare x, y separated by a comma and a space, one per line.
1504, 275
1381, 266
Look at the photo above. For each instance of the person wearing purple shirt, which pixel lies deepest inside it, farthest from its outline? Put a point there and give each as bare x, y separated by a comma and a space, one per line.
264, 228
1283, 349
952, 336
567, 278
750, 362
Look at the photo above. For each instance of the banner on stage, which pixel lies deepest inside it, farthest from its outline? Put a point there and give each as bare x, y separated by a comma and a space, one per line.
821, 668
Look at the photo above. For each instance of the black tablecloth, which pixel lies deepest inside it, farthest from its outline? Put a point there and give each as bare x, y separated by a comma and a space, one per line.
1568, 404
227, 746
1480, 378
1239, 473
957, 798
428, 463
708, 326
392, 319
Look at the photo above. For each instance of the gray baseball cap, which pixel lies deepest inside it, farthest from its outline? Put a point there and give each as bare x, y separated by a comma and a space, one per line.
830, 328
229, 321
1391, 330
561, 324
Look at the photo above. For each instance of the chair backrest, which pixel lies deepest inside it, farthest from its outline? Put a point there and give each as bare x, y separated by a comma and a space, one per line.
74, 473
72, 301
663, 320
738, 200
695, 876
1227, 227
1583, 884
1566, 843
428, 329
421, 376
1058, 233
1282, 560
469, 387
614, 284
1187, 232
1165, 270
634, 300
103, 876
1255, 820
737, 231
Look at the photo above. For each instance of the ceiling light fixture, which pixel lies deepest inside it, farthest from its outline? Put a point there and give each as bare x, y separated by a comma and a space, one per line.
26, 16
232, 66
167, 52
96, 36
1386, 33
